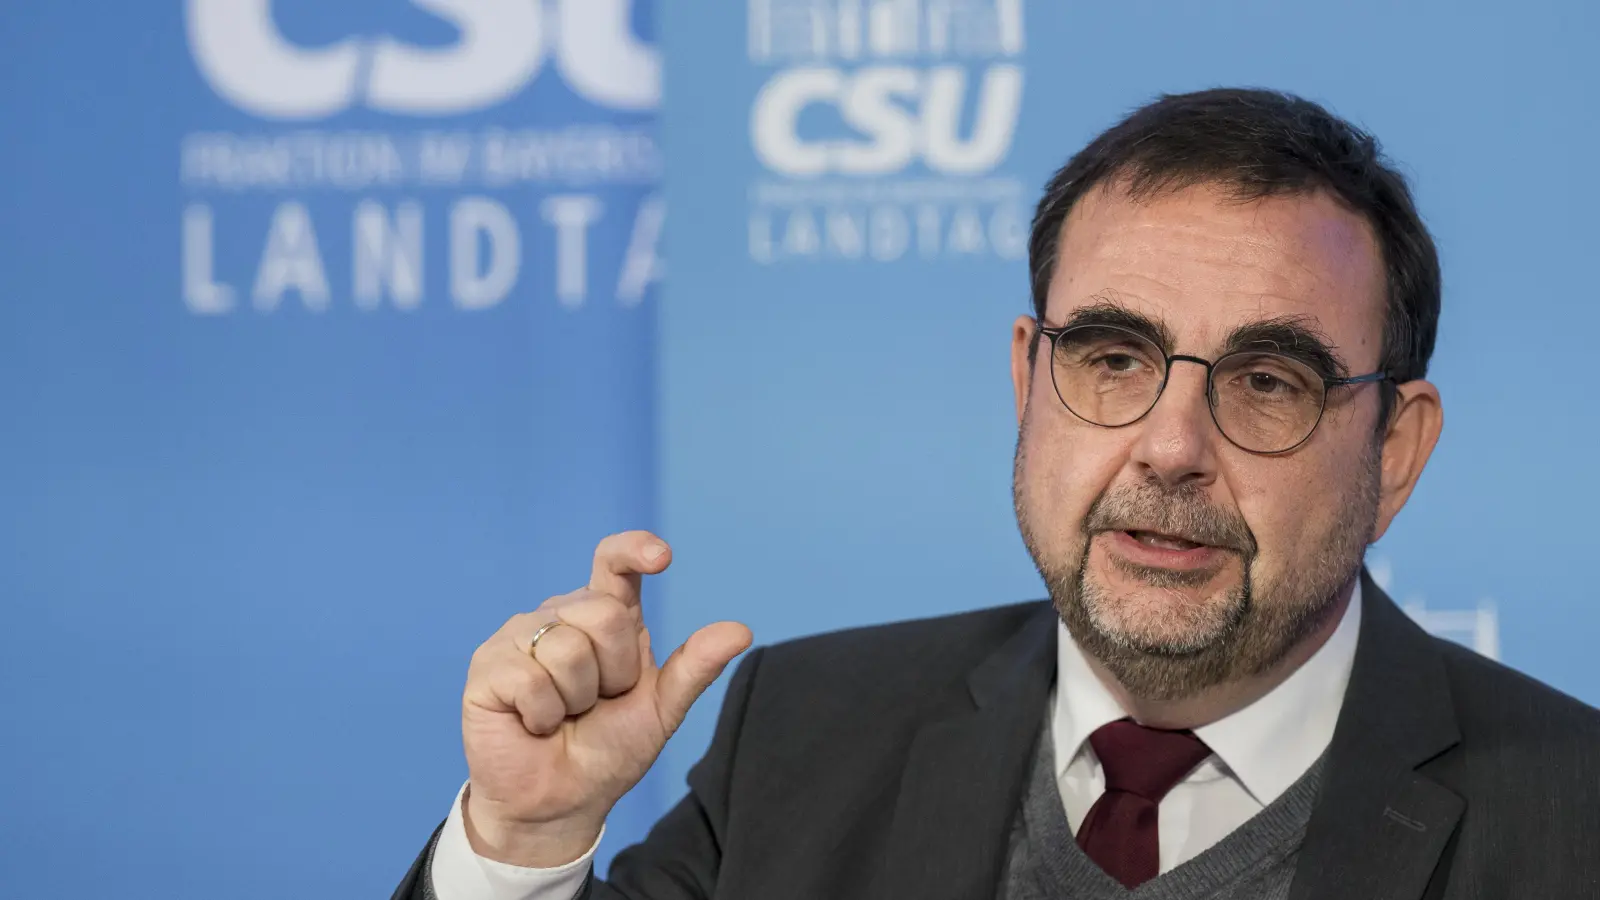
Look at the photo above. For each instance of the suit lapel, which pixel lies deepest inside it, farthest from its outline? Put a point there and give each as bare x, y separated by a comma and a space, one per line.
1380, 825
964, 774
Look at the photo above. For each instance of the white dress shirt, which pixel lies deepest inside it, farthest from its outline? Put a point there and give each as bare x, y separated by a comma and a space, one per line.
1257, 753
461, 874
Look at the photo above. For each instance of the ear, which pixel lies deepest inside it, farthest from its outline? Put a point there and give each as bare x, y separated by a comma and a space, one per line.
1414, 428
1021, 368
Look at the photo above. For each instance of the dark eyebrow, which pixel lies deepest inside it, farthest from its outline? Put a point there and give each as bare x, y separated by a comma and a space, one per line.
1106, 312
1296, 337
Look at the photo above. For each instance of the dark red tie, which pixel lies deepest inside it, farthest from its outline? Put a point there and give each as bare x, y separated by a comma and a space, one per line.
1140, 764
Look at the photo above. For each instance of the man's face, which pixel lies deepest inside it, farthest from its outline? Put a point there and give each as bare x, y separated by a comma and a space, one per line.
1176, 558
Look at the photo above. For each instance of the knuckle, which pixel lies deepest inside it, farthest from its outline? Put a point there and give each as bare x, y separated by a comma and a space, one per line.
514, 626
548, 718
601, 616
520, 680
533, 679
569, 653
539, 714
484, 657
614, 640
611, 617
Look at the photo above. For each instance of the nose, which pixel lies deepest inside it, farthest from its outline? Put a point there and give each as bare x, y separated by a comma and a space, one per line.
1177, 438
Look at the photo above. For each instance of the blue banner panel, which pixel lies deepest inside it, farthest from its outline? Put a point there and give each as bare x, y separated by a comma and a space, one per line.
328, 346
851, 182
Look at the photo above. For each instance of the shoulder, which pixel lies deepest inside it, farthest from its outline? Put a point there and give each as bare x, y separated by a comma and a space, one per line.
1495, 702
957, 641
890, 668
1520, 736
1528, 767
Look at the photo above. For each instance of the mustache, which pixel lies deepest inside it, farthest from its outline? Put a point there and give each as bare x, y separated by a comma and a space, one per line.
1180, 512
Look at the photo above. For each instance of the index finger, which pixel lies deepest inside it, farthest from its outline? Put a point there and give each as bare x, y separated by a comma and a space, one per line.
621, 559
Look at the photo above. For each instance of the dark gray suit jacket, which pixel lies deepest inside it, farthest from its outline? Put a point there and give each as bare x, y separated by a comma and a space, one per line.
887, 762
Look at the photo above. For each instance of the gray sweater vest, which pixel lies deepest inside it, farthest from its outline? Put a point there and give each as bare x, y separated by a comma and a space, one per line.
1255, 862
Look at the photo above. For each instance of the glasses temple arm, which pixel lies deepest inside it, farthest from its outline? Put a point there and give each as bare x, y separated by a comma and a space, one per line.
1361, 379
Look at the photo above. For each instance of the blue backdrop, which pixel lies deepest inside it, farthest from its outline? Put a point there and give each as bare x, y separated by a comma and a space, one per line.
328, 346
332, 335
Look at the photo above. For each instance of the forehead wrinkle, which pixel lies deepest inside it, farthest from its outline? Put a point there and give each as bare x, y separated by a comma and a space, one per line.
1268, 257
1230, 263
1309, 242
1180, 254
1265, 236
1269, 295
1278, 269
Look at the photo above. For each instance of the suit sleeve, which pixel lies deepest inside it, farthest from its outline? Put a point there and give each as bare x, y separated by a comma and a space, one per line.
681, 856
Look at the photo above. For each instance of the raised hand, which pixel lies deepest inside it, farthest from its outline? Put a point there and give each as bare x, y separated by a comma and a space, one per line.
554, 738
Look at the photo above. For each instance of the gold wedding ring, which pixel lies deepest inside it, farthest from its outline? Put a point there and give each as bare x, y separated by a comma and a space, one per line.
533, 642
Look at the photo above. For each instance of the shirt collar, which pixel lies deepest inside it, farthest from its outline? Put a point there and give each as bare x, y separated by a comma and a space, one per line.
1266, 746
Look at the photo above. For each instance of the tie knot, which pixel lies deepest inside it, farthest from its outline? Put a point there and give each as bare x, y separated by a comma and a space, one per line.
1145, 761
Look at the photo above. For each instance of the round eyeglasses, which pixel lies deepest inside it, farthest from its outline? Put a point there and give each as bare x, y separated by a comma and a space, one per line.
1261, 401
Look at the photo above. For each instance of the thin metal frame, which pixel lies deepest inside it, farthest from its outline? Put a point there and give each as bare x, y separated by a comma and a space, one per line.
1328, 383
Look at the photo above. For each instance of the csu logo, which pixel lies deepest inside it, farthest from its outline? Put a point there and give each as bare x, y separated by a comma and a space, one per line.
504, 44
901, 115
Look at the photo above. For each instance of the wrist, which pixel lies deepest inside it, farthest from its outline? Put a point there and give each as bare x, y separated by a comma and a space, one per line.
542, 845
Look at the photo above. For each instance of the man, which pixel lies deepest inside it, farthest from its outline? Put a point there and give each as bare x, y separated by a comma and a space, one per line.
1221, 404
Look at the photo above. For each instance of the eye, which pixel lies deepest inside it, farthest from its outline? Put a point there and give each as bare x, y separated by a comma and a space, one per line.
1119, 362
1110, 355
1267, 383
1267, 379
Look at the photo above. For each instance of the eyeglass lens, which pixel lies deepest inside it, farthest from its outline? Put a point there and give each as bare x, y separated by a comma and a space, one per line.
1264, 402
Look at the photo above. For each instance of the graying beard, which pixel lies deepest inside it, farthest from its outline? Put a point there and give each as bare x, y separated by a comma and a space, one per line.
1256, 638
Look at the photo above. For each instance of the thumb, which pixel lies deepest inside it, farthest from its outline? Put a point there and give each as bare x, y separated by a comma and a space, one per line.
691, 668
